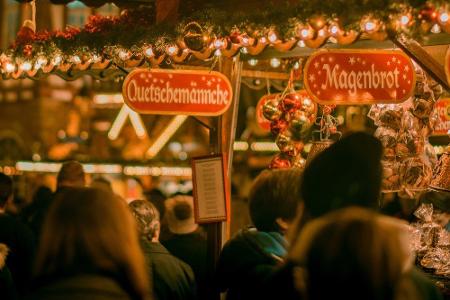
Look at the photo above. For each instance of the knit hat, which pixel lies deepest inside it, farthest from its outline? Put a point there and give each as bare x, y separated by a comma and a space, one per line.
180, 214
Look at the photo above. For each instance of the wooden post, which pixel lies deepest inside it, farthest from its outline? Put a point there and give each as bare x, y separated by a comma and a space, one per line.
414, 50
221, 141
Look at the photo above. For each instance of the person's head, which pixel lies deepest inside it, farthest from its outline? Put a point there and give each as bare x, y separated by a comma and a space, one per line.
275, 199
6, 190
180, 214
91, 230
71, 174
345, 174
356, 252
147, 218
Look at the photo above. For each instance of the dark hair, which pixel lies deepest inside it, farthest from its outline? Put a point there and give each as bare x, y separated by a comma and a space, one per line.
6, 189
274, 194
91, 230
71, 174
357, 254
347, 173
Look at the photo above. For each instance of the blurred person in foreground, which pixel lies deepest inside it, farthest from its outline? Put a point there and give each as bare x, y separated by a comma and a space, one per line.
70, 175
187, 241
7, 288
89, 249
353, 254
249, 258
346, 174
172, 279
17, 237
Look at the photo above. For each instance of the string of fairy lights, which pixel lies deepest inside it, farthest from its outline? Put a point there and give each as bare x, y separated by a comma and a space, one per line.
38, 52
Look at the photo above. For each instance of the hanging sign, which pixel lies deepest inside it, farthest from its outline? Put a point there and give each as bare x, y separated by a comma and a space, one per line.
210, 196
177, 92
352, 77
443, 114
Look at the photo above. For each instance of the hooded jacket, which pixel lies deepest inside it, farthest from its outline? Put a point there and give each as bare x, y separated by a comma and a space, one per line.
247, 260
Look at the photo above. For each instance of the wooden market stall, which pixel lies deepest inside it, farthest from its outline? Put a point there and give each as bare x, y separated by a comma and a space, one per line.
204, 37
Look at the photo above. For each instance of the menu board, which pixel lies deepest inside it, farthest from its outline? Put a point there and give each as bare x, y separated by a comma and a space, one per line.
210, 197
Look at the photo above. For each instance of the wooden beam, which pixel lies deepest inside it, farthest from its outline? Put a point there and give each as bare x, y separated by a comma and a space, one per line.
264, 74
422, 58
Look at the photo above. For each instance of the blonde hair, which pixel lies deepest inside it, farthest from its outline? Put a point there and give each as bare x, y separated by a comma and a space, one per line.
92, 229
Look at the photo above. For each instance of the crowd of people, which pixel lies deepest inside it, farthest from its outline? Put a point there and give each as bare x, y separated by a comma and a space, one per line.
316, 234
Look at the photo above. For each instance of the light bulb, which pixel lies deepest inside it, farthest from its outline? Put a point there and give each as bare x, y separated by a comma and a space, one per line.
149, 52
9, 67
218, 52
369, 26
301, 44
218, 44
275, 62
334, 29
404, 20
76, 59
272, 37
57, 60
26, 66
304, 33
244, 50
443, 17
253, 62
263, 40
172, 50
124, 55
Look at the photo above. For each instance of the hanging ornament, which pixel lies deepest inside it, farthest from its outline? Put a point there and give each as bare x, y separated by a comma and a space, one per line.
317, 22
194, 37
280, 161
271, 111
278, 126
290, 102
299, 124
283, 141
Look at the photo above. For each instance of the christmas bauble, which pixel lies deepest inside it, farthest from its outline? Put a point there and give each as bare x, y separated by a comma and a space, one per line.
28, 50
299, 124
283, 140
271, 111
194, 37
280, 161
290, 102
278, 126
298, 162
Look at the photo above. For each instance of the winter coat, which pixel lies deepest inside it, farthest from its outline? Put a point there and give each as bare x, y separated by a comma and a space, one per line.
247, 260
80, 287
172, 278
21, 243
191, 248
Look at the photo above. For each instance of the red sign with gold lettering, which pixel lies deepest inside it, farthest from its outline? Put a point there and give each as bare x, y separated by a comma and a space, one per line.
443, 114
177, 92
352, 77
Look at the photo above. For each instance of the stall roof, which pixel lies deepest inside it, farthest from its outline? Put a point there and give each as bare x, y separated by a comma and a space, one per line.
98, 3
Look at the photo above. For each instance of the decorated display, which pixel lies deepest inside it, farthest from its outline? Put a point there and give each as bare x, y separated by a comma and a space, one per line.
359, 77
172, 92
403, 129
138, 36
291, 115
431, 241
